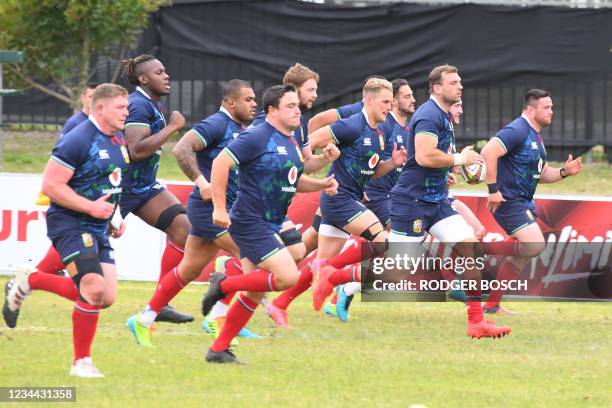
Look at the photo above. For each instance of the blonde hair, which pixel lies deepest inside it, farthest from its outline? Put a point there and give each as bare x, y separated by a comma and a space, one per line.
374, 85
107, 91
298, 74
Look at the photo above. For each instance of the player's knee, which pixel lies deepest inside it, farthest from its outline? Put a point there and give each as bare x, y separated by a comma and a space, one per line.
92, 289
286, 280
109, 299
188, 271
89, 278
298, 252
180, 230
173, 220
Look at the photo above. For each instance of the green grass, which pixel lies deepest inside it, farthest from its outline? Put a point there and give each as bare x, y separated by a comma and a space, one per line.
390, 354
593, 180
28, 152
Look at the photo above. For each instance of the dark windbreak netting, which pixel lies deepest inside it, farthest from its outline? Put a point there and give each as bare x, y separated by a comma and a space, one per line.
500, 52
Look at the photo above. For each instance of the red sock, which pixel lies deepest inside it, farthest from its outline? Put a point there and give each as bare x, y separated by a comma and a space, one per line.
256, 281
506, 247
84, 323
474, 308
237, 317
232, 268
284, 300
60, 285
360, 250
166, 290
506, 272
345, 275
51, 263
171, 258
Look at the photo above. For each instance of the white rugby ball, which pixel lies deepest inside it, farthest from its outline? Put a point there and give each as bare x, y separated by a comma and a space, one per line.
474, 173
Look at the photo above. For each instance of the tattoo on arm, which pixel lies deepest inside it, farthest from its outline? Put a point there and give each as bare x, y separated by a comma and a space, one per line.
186, 160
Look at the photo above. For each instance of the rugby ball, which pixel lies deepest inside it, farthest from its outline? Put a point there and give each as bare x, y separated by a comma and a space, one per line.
474, 174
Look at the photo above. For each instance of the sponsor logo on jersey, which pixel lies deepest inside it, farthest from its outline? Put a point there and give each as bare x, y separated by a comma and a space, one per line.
373, 160
103, 154
399, 138
292, 176
235, 134
367, 141
115, 177
87, 239
540, 168
534, 145
281, 150
417, 226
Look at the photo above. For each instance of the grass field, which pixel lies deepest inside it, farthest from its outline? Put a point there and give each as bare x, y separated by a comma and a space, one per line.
389, 354
28, 152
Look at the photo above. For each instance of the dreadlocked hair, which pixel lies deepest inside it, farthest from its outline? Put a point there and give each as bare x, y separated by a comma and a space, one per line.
130, 67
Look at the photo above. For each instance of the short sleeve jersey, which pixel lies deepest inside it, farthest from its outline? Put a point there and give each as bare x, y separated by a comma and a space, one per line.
349, 110
270, 164
73, 122
216, 132
394, 134
147, 113
425, 183
361, 149
98, 162
518, 171
300, 134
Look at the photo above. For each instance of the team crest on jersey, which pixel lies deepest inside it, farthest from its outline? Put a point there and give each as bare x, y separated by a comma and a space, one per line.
381, 141
299, 152
115, 177
87, 239
417, 226
125, 154
373, 160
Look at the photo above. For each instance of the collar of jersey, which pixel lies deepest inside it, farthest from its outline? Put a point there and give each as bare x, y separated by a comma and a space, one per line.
397, 121
223, 110
437, 104
95, 122
142, 91
528, 122
365, 114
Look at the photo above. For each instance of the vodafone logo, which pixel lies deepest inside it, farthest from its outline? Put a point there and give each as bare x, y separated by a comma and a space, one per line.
373, 160
115, 177
293, 175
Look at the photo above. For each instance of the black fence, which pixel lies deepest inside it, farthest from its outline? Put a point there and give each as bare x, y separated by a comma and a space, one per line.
500, 52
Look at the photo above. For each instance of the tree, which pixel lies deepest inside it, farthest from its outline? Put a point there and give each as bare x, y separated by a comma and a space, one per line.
63, 38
